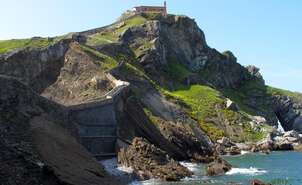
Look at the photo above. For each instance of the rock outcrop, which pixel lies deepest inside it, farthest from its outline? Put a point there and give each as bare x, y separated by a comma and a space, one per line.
149, 161
280, 141
177, 39
289, 112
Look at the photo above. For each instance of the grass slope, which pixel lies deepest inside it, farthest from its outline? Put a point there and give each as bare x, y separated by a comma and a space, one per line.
112, 35
8, 45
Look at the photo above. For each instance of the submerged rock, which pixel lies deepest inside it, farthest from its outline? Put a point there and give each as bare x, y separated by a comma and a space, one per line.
258, 182
218, 167
149, 162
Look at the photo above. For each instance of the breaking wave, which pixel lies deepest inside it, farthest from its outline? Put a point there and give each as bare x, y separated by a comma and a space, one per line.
246, 171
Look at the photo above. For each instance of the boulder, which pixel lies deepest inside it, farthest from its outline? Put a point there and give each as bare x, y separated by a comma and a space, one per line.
298, 147
148, 162
218, 167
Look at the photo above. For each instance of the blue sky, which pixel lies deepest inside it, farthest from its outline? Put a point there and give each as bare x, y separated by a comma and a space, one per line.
265, 33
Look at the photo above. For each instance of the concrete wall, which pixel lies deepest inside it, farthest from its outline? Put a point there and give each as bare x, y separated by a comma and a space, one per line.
96, 120
97, 127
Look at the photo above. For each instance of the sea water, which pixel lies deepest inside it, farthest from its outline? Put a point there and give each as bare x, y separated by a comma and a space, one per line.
278, 168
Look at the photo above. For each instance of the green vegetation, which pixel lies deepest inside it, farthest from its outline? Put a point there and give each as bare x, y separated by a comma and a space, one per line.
275, 91
250, 89
8, 45
112, 34
177, 71
106, 62
155, 120
144, 44
202, 100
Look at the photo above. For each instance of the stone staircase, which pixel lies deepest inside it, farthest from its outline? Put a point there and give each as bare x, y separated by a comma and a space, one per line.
97, 123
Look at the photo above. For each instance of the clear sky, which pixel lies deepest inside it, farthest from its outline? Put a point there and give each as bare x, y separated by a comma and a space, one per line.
265, 33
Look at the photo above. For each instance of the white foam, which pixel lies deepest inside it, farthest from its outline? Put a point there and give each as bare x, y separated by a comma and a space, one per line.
146, 182
113, 168
246, 171
280, 128
244, 152
191, 166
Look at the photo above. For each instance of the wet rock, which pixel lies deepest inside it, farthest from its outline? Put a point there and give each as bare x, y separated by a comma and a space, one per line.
149, 161
218, 167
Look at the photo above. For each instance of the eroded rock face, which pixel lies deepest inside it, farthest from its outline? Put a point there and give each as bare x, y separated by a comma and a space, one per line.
80, 79
288, 112
38, 143
38, 68
149, 161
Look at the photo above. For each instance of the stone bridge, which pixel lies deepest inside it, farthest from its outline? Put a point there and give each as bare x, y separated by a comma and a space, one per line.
97, 122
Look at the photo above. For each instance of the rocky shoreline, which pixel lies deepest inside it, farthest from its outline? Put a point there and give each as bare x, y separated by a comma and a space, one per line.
149, 162
274, 141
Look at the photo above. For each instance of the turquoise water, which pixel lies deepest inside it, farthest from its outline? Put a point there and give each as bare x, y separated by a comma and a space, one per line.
278, 168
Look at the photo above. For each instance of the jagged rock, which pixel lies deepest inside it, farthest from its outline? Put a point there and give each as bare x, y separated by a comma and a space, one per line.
258, 182
254, 71
218, 167
149, 161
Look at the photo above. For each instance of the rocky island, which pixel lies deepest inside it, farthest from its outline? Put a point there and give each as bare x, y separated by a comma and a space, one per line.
147, 89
